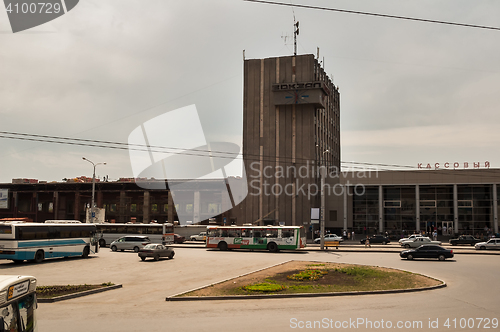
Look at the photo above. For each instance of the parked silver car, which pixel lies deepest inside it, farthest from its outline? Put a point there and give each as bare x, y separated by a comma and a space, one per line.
131, 242
199, 237
418, 241
491, 244
329, 237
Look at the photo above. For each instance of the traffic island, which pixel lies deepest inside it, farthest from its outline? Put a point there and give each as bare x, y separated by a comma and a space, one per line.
310, 279
48, 294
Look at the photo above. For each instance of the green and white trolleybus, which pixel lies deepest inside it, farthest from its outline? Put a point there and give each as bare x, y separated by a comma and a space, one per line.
272, 238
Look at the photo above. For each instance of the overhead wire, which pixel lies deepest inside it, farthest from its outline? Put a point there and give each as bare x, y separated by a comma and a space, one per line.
374, 14
350, 165
163, 149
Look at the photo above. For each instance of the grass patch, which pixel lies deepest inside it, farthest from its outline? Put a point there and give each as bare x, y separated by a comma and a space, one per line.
264, 287
360, 273
308, 275
47, 292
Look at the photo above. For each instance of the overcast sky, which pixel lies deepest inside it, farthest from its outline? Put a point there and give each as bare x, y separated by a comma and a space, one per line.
411, 92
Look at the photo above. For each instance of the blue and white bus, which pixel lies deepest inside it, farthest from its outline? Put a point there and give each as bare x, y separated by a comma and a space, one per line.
21, 241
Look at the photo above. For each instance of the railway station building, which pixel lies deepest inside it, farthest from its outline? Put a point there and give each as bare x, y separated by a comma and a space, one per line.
291, 139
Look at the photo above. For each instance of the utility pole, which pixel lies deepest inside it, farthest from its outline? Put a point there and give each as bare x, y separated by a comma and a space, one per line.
322, 210
92, 207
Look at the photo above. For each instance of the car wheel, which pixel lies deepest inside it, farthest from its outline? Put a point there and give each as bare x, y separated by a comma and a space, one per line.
482, 247
171, 256
407, 246
113, 248
222, 246
384, 243
143, 258
472, 244
156, 258
409, 257
39, 256
86, 252
441, 257
136, 249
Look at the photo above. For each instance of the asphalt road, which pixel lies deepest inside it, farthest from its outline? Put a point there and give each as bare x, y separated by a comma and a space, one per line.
140, 305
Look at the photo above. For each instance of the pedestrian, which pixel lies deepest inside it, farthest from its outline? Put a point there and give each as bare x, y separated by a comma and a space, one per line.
352, 236
345, 234
367, 242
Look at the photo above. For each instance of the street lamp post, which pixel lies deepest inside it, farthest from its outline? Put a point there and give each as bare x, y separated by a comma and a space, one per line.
92, 207
322, 210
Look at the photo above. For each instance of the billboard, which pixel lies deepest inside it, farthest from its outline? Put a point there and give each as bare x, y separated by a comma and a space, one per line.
4, 198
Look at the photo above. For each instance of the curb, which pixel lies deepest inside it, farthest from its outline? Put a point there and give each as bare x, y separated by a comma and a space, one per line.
174, 297
300, 295
458, 251
75, 295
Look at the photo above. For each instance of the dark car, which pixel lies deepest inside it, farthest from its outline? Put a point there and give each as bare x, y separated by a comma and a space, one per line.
179, 239
464, 239
427, 251
156, 251
376, 239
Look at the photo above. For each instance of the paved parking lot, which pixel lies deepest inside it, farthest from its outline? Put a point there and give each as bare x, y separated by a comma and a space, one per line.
140, 305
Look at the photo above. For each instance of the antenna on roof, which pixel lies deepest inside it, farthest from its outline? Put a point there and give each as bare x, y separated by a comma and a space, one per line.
295, 33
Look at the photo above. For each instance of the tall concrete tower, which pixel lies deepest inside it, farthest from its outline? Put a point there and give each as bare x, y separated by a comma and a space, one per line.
291, 117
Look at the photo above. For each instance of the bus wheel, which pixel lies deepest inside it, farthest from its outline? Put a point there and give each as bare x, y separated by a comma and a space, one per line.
222, 246
102, 243
86, 252
39, 256
272, 247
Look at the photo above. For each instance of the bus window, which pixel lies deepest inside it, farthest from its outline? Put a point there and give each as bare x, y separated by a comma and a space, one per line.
234, 233
271, 233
